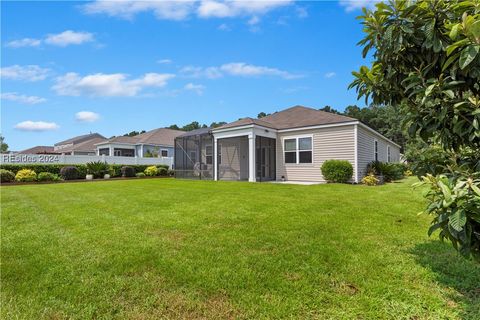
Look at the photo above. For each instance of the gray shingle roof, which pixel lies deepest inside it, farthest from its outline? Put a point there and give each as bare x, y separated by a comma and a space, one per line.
294, 117
161, 136
79, 139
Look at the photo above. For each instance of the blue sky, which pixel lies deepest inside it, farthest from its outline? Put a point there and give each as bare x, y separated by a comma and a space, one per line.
69, 68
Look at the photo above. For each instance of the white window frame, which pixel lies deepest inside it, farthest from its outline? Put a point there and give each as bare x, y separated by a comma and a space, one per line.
297, 150
161, 150
389, 154
375, 150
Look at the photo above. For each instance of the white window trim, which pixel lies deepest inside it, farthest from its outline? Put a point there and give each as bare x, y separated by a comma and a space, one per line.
297, 151
375, 150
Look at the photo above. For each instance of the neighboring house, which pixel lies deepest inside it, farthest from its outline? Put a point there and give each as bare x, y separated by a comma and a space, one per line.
154, 143
288, 145
80, 145
39, 150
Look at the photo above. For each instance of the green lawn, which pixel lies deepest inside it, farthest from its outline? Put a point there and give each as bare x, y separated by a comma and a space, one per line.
162, 248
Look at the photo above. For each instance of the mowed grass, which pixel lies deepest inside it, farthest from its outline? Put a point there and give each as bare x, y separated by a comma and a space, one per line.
179, 249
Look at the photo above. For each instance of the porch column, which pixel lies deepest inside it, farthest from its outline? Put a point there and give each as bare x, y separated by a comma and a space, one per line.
215, 159
251, 158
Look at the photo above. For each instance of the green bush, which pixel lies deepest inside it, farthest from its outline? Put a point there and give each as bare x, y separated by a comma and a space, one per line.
370, 180
6, 175
70, 173
171, 172
97, 168
162, 171
47, 176
151, 171
128, 171
26, 175
140, 175
339, 171
389, 171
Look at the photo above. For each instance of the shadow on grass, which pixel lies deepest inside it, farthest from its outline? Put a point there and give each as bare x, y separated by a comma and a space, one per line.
452, 271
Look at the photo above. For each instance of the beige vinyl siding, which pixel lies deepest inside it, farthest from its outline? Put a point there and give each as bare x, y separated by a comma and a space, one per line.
327, 143
366, 151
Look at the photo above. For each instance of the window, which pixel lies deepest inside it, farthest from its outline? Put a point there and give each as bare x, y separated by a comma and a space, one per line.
388, 154
375, 143
104, 151
209, 154
164, 153
193, 156
298, 150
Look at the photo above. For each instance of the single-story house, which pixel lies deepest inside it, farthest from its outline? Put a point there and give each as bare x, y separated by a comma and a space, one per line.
154, 143
81, 145
288, 145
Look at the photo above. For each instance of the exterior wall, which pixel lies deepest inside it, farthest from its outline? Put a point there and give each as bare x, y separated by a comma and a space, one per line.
327, 143
366, 151
234, 158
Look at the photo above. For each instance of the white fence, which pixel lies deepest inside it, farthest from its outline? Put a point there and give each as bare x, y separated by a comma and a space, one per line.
66, 159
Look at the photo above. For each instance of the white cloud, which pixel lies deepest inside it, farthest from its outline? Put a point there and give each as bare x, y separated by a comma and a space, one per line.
239, 69
13, 96
224, 9
197, 88
25, 73
68, 37
330, 75
107, 85
180, 10
87, 116
127, 9
301, 12
164, 61
249, 70
253, 21
36, 126
352, 5
25, 42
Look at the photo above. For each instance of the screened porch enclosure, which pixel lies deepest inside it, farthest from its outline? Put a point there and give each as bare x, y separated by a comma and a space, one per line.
194, 155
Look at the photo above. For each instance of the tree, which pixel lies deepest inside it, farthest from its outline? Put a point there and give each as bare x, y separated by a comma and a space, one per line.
133, 133
426, 63
174, 127
329, 109
4, 146
217, 124
262, 115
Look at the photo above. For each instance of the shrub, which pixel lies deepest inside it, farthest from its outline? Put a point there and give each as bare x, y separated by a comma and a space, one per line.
6, 175
162, 171
151, 171
127, 171
337, 171
47, 176
390, 171
97, 168
408, 173
69, 173
26, 175
140, 175
370, 180
171, 172
163, 166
